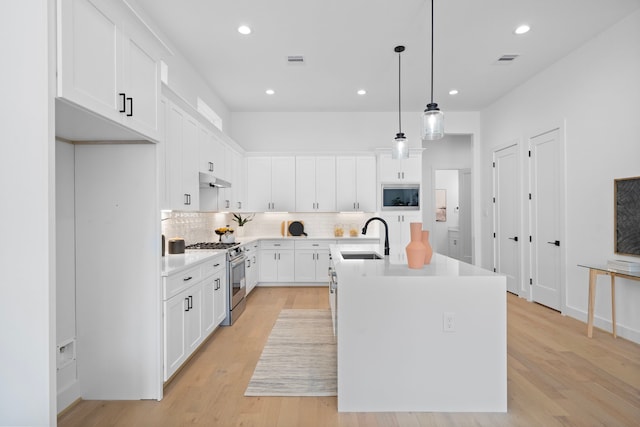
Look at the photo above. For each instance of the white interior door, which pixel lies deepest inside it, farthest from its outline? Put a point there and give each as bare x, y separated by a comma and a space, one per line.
464, 201
507, 241
547, 183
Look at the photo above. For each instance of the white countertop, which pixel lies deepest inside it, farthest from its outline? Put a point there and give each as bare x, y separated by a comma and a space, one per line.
366, 238
174, 263
440, 265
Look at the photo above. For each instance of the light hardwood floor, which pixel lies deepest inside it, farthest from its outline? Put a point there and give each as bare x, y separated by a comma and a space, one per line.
556, 377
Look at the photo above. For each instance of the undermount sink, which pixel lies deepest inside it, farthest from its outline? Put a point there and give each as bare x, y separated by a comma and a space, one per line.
360, 255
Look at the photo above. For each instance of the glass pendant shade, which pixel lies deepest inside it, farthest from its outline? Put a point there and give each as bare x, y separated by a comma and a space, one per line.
432, 123
400, 149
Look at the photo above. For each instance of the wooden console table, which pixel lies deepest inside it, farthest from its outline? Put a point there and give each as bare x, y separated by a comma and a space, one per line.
594, 272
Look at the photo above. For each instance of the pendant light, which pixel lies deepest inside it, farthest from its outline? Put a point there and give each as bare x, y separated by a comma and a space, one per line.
432, 118
400, 148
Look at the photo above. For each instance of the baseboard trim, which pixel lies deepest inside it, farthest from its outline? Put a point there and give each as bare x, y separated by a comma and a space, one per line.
604, 324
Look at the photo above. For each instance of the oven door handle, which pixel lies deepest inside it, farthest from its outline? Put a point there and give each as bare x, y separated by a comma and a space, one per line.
237, 261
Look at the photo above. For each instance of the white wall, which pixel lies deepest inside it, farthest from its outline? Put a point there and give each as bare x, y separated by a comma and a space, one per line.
321, 131
184, 79
593, 94
451, 152
27, 257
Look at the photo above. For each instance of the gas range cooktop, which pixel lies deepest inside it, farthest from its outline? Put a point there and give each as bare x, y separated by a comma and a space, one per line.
212, 245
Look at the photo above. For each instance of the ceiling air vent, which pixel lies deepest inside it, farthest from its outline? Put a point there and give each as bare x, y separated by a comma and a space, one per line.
506, 59
295, 59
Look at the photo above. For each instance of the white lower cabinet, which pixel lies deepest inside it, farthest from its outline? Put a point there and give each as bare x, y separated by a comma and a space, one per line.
312, 260
252, 269
195, 304
277, 261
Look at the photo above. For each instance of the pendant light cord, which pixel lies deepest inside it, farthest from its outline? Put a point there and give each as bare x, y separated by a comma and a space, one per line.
432, 51
399, 92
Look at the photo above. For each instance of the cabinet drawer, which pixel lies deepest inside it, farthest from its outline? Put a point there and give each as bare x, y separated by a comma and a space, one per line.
175, 283
314, 244
213, 266
276, 244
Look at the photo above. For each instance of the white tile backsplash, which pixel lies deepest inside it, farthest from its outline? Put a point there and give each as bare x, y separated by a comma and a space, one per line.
199, 226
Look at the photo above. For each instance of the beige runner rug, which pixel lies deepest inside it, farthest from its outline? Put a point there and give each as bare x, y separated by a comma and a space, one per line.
299, 358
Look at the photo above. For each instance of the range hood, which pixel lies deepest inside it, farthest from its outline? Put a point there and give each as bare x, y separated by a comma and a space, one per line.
210, 181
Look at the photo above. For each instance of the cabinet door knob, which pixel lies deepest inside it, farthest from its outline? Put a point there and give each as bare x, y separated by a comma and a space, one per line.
130, 107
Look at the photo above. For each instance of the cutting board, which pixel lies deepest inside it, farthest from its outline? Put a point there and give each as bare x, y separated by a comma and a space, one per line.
284, 228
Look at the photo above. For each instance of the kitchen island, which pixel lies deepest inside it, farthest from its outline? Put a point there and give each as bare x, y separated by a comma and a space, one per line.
430, 339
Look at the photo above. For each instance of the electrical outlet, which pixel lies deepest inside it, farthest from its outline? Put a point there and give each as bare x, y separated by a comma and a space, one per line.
448, 322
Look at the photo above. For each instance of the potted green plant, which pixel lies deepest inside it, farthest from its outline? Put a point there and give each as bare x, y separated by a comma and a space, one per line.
242, 220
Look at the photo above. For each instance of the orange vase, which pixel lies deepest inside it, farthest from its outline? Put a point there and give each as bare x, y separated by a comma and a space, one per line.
425, 241
416, 250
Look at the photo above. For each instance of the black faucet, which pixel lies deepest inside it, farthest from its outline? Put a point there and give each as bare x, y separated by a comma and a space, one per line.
386, 232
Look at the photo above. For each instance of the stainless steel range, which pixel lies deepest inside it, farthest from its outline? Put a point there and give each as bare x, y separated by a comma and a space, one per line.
236, 290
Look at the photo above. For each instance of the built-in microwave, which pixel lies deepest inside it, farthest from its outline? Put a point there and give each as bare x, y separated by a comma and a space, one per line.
400, 197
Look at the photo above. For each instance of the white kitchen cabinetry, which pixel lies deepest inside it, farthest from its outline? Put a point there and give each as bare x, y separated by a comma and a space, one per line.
271, 184
108, 63
399, 233
405, 170
252, 266
316, 184
277, 261
356, 183
233, 198
211, 153
195, 303
181, 139
312, 260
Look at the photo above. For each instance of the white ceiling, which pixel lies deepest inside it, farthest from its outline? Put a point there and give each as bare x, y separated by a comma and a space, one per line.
348, 45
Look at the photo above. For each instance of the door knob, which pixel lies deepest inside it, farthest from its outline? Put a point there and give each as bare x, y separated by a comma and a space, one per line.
556, 242
514, 238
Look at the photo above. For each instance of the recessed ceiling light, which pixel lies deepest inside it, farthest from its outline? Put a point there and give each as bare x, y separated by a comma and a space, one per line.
243, 29
362, 92
269, 91
453, 92
522, 29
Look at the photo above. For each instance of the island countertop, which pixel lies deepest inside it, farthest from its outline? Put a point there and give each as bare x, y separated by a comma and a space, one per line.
441, 265
432, 339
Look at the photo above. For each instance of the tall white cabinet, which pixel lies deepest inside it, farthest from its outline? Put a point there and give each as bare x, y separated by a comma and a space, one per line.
117, 263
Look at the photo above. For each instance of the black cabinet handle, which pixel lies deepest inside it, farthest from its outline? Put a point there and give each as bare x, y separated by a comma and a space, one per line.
130, 107
124, 103
186, 279
216, 265
514, 238
556, 243
190, 302
187, 301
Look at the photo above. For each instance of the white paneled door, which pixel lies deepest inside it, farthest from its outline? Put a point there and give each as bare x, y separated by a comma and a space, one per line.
507, 238
547, 207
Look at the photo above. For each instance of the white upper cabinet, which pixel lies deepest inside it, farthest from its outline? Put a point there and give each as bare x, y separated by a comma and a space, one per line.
108, 63
316, 184
181, 148
405, 170
356, 183
211, 153
271, 184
